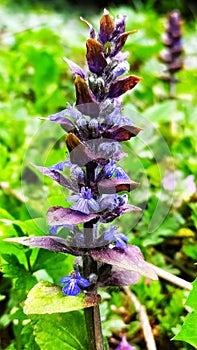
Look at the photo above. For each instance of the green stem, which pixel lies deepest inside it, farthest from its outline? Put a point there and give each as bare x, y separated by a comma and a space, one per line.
173, 83
93, 324
18, 336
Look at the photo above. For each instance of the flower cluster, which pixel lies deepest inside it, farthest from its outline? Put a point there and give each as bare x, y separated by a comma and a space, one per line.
171, 56
95, 128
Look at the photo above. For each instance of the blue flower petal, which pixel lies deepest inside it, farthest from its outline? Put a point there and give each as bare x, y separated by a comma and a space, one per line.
53, 229
60, 166
73, 283
82, 206
72, 289
73, 198
93, 204
66, 279
83, 282
121, 244
120, 174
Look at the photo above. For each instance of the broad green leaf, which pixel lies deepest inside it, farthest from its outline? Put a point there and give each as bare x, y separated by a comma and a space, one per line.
47, 298
188, 332
60, 331
192, 298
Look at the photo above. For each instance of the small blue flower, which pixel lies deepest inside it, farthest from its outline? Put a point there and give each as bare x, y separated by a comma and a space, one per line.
84, 201
113, 235
73, 282
111, 169
60, 166
53, 229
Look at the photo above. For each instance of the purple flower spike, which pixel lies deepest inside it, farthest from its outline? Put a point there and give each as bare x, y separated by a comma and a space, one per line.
84, 201
73, 282
113, 235
124, 345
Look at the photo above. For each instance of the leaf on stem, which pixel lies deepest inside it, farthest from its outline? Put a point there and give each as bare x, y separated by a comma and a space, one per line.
121, 133
56, 176
66, 216
47, 298
79, 153
120, 86
130, 259
53, 243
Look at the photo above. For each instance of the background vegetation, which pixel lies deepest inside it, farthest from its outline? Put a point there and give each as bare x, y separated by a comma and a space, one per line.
35, 82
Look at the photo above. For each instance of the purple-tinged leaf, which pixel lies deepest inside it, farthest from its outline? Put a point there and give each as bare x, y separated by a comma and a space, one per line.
130, 259
53, 243
114, 185
121, 133
59, 118
56, 176
92, 31
120, 278
79, 153
122, 85
128, 208
121, 41
95, 57
106, 27
60, 216
85, 99
75, 69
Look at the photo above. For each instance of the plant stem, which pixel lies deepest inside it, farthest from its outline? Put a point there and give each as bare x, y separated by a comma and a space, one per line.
93, 324
173, 83
92, 314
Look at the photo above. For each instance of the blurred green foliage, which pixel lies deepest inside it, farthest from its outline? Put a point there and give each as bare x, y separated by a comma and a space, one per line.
35, 82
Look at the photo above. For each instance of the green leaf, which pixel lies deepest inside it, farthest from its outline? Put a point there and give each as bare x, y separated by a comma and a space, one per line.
60, 331
164, 112
13, 269
47, 298
192, 298
5, 215
188, 332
